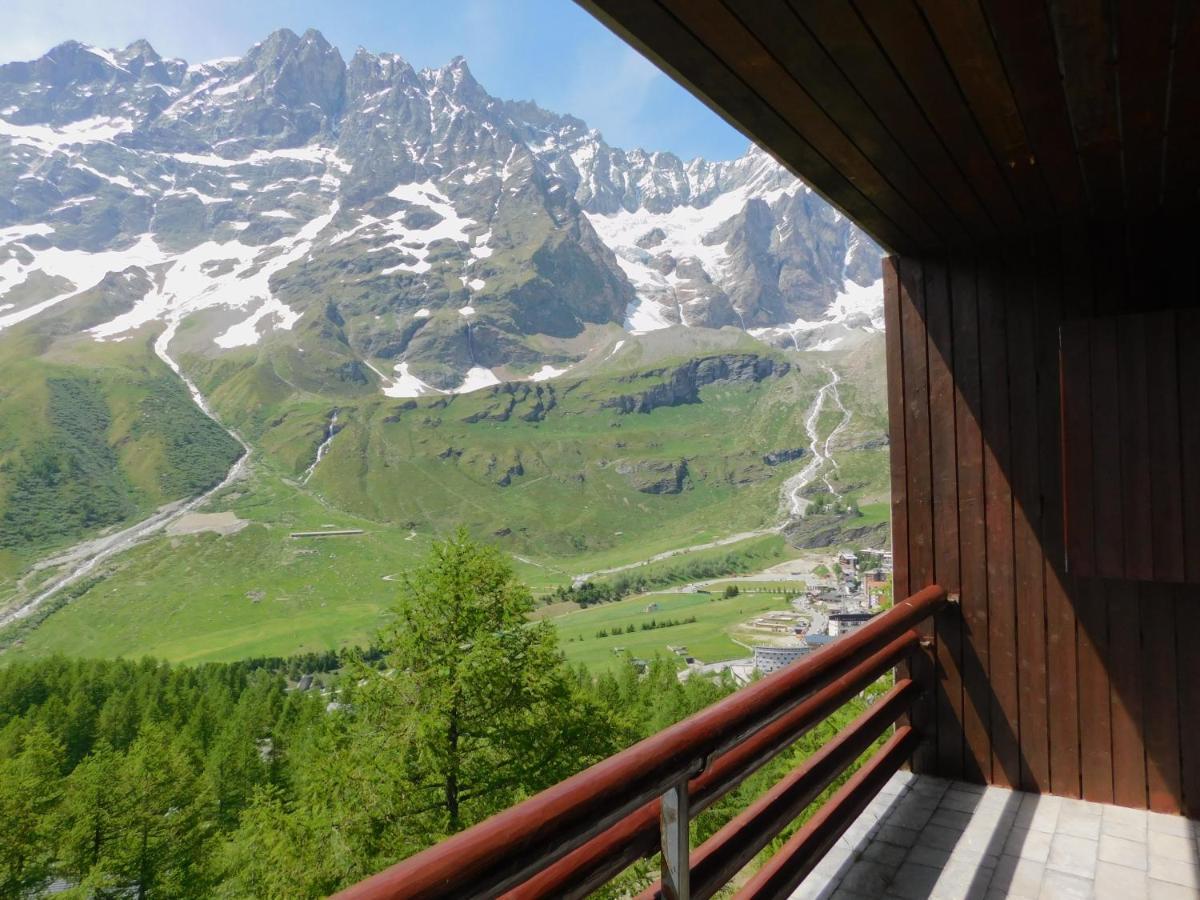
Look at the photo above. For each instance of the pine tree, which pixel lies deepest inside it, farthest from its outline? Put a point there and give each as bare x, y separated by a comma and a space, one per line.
161, 819
86, 821
29, 791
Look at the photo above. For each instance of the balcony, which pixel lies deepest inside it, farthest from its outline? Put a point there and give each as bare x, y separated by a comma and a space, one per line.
1029, 168
578, 835
924, 836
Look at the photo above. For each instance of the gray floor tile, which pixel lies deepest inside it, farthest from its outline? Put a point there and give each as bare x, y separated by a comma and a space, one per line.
1061, 886
1131, 854
1073, 855
867, 877
930, 839
1164, 890
1026, 844
1175, 871
1020, 879
1114, 882
914, 882
1172, 846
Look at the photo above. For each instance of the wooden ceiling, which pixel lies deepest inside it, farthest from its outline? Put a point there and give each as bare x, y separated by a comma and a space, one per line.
939, 124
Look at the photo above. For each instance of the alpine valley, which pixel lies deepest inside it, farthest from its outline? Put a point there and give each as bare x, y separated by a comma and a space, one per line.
287, 293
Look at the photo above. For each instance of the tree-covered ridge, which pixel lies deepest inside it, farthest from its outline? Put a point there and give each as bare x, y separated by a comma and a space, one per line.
96, 439
122, 778
70, 481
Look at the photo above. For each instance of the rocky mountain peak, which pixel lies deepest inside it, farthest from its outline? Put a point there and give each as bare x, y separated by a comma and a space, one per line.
449, 232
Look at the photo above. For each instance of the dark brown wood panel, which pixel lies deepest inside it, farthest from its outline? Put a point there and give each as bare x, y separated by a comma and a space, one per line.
1187, 342
1076, 390
1144, 42
1166, 467
919, 490
1125, 698
897, 438
920, 63
977, 700
1160, 713
962, 32
1007, 117
943, 459
1108, 526
1062, 694
994, 287
1083, 36
1187, 624
663, 39
1095, 704
1181, 162
1128, 394
1069, 684
1025, 42
1134, 445
1027, 516
844, 37
713, 26
788, 42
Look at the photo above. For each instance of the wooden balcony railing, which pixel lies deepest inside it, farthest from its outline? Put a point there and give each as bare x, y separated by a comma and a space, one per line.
574, 837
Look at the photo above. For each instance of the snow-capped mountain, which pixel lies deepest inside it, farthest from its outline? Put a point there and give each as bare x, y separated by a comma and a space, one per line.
407, 218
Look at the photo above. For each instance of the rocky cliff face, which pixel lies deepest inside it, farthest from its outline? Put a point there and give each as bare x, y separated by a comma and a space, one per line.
682, 384
405, 217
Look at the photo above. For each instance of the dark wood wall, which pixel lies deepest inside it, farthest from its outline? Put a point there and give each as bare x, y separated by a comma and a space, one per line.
1133, 369
1045, 680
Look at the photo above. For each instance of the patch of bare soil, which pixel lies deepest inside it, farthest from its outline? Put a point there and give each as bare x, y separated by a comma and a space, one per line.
195, 523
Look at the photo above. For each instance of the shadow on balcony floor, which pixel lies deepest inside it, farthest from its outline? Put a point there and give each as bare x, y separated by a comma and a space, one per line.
927, 837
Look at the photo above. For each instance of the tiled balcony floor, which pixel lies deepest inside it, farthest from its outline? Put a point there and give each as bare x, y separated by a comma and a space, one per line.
926, 837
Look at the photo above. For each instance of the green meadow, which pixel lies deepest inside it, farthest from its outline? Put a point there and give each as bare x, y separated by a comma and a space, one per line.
555, 475
707, 639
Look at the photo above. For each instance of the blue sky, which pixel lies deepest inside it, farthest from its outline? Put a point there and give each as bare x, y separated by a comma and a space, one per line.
550, 51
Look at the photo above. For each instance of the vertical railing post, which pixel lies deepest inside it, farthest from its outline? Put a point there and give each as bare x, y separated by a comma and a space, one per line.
673, 825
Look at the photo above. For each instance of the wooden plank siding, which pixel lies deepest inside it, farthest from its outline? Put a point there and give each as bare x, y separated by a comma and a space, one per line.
1062, 689
1025, 438
1047, 679
919, 487
944, 474
994, 288
977, 752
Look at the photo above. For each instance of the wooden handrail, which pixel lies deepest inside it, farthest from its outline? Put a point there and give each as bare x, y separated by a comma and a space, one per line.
725, 854
785, 870
600, 859
507, 850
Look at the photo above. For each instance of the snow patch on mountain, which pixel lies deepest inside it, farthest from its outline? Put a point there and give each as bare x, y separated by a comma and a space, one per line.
546, 372
82, 269
407, 385
477, 377
192, 283
84, 131
289, 184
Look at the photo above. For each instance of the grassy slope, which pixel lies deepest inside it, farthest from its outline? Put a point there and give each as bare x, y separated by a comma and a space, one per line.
193, 597
707, 638
92, 435
427, 464
190, 598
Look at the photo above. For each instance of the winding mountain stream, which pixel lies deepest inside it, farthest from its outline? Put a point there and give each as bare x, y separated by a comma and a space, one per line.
795, 504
